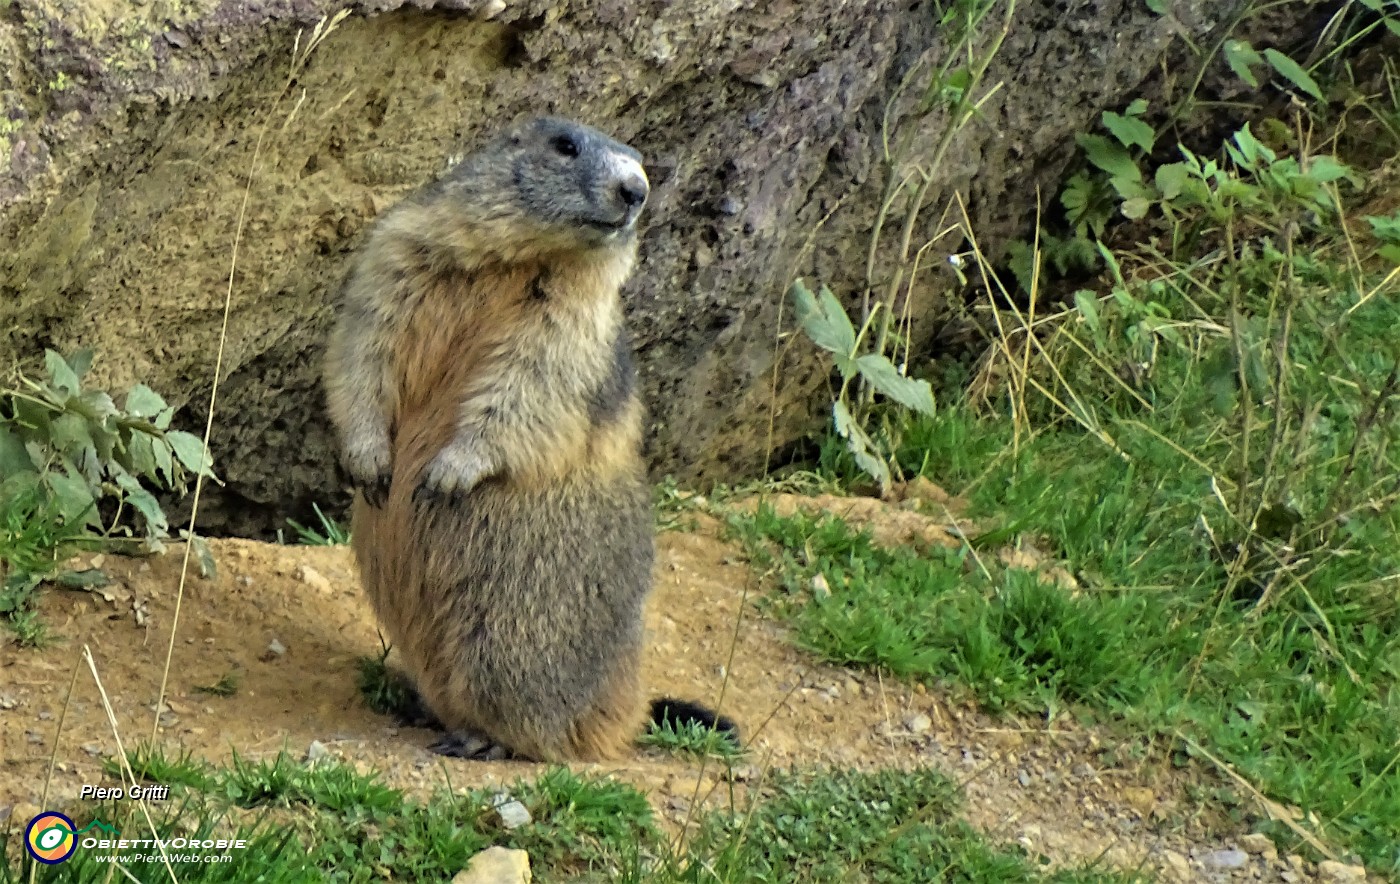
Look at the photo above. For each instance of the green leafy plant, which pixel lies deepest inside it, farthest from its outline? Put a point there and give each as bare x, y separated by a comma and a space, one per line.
32, 539
75, 448
384, 690
825, 321
950, 86
1387, 232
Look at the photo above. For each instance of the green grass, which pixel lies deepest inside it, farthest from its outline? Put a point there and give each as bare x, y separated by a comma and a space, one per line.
33, 537
1214, 454
692, 739
226, 686
837, 826
330, 532
326, 822
154, 766
384, 690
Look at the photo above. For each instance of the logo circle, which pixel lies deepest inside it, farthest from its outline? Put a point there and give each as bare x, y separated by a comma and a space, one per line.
50, 837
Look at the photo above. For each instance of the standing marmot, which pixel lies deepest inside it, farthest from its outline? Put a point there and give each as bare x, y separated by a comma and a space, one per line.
482, 385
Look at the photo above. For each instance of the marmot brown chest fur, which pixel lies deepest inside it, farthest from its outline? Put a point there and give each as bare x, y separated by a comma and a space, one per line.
482, 386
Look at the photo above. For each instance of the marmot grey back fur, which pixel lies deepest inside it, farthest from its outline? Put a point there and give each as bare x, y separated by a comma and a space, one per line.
482, 385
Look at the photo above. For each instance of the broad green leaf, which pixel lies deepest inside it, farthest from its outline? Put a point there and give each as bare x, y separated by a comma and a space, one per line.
1130, 130
73, 497
30, 415
1390, 252
886, 379
28, 486
1326, 169
14, 457
1133, 189
1137, 107
858, 443
105, 440
1157, 6
1255, 152
1088, 305
69, 434
141, 456
822, 318
144, 503
1385, 229
142, 401
1241, 57
80, 362
100, 403
1110, 157
165, 462
1293, 72
1136, 208
190, 450
61, 374
1171, 179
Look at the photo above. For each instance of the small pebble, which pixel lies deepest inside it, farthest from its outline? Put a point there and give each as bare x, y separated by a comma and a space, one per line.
1259, 844
513, 814
821, 591
918, 723
316, 751
490, 9
1226, 859
1331, 870
1177, 866
313, 578
496, 865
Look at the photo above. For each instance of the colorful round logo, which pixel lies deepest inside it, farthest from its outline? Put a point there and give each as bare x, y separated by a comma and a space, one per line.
50, 837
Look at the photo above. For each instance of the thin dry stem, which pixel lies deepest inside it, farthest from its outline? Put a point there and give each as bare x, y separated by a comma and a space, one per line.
126, 762
300, 56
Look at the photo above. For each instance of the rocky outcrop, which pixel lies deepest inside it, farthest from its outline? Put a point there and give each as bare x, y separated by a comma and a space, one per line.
127, 137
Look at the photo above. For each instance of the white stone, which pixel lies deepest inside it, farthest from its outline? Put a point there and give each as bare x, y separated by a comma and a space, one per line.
496, 865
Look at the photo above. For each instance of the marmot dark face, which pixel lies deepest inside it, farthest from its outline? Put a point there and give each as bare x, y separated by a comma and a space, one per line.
571, 182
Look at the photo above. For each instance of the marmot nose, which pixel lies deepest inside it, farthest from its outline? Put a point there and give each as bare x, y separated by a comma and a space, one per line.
633, 192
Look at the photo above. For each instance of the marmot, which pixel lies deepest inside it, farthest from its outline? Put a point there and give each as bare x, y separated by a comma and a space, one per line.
482, 386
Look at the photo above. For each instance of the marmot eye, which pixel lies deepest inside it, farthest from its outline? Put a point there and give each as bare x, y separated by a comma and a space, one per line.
565, 145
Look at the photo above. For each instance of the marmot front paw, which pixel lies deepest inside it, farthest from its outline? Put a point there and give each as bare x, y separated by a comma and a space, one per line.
371, 475
455, 471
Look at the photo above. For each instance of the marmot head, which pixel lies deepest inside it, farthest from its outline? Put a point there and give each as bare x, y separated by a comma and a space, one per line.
553, 183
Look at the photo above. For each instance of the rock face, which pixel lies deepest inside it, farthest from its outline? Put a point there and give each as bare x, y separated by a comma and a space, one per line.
128, 135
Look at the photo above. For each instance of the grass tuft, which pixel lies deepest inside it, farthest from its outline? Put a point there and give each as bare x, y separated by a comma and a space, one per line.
693, 740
